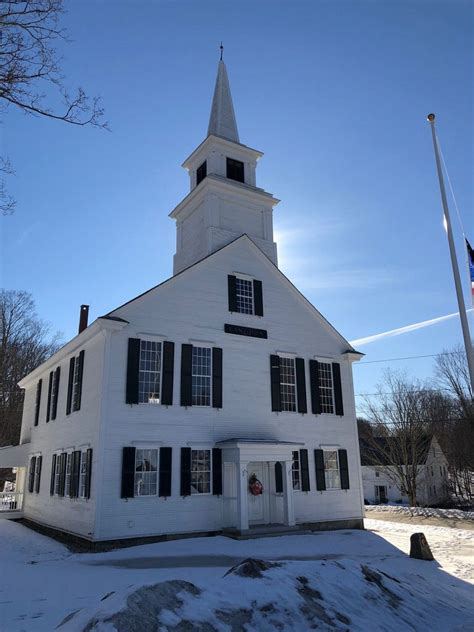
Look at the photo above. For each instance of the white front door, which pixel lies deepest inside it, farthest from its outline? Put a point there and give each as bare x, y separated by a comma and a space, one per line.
258, 505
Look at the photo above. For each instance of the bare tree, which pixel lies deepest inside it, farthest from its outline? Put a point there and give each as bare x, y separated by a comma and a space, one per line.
452, 375
398, 442
24, 344
30, 66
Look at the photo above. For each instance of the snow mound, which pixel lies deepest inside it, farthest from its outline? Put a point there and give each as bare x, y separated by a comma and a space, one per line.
427, 512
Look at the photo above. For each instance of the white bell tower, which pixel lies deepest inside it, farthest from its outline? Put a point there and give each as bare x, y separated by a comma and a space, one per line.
224, 201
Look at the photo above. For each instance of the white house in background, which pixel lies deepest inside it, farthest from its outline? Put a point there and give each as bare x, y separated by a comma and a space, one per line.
170, 413
432, 484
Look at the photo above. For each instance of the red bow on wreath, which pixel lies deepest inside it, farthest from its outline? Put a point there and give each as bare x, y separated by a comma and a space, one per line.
255, 486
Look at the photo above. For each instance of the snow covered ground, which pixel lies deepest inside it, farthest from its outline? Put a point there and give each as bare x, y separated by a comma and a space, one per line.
427, 512
341, 580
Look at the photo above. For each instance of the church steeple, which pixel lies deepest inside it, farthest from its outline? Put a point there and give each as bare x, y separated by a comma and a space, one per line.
222, 120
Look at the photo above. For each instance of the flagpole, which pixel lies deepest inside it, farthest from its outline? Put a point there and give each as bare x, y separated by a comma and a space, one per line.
454, 261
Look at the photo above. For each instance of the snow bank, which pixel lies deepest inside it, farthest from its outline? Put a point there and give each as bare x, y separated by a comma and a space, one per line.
427, 512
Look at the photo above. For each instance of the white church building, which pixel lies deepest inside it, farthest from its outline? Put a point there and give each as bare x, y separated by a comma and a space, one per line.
219, 401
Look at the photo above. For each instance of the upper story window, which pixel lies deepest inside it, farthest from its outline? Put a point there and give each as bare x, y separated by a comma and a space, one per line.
149, 378
235, 170
245, 295
326, 391
201, 376
201, 172
288, 384
74, 390
200, 471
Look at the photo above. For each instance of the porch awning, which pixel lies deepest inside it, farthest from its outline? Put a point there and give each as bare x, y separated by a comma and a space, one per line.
243, 449
14, 455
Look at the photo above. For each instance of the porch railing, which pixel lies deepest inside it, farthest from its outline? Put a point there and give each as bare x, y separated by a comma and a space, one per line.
11, 501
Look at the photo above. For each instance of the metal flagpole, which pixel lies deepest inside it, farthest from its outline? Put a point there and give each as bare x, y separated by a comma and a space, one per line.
454, 261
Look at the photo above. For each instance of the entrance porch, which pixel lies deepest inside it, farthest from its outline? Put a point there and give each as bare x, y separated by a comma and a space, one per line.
246, 461
12, 491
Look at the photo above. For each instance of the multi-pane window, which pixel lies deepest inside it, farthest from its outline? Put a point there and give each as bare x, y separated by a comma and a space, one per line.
200, 471
331, 470
201, 376
146, 472
296, 471
288, 384
326, 391
149, 378
244, 295
67, 478
36, 479
54, 394
57, 474
83, 475
76, 385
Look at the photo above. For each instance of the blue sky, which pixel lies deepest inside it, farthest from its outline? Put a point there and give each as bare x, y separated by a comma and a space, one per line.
336, 95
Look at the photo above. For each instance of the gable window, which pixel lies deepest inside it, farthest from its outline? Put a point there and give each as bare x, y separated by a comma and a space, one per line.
201, 376
201, 173
235, 170
331, 470
326, 390
200, 471
288, 384
149, 378
296, 471
146, 472
244, 295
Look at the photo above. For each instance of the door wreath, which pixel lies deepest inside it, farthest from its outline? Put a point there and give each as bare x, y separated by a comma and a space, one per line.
255, 486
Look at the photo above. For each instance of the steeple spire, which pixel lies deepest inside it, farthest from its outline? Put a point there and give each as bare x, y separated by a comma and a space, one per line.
222, 120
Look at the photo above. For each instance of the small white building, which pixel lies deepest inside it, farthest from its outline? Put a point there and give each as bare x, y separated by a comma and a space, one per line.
219, 399
381, 484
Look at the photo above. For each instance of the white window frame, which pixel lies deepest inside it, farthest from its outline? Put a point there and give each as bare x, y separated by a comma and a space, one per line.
241, 277
159, 342
81, 492
57, 473
54, 393
323, 390
68, 475
336, 469
292, 358
146, 473
37, 473
201, 345
198, 493
296, 471
75, 385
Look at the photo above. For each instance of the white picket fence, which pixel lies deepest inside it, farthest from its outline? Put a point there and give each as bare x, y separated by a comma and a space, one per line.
11, 501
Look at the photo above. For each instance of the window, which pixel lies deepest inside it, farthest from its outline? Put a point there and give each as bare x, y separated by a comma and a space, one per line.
201, 172
83, 475
235, 170
434, 489
54, 393
201, 376
377, 474
432, 473
200, 471
440, 471
37, 474
76, 385
67, 479
331, 470
244, 295
296, 471
149, 378
326, 387
57, 474
146, 472
288, 384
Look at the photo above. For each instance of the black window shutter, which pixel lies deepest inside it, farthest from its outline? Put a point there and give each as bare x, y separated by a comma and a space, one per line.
54, 403
75, 473
217, 471
165, 471
301, 385
275, 382
185, 471
278, 478
257, 298
38, 401
50, 388
232, 293
53, 475
336, 377
72, 362
128, 473
80, 373
344, 469
39, 464
133, 367
320, 476
186, 375
31, 474
304, 471
88, 472
216, 377
62, 473
168, 373
314, 380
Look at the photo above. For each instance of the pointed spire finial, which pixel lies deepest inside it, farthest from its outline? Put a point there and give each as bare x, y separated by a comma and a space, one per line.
222, 50
222, 120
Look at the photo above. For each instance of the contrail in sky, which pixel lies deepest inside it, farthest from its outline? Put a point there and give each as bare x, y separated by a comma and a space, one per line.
404, 330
